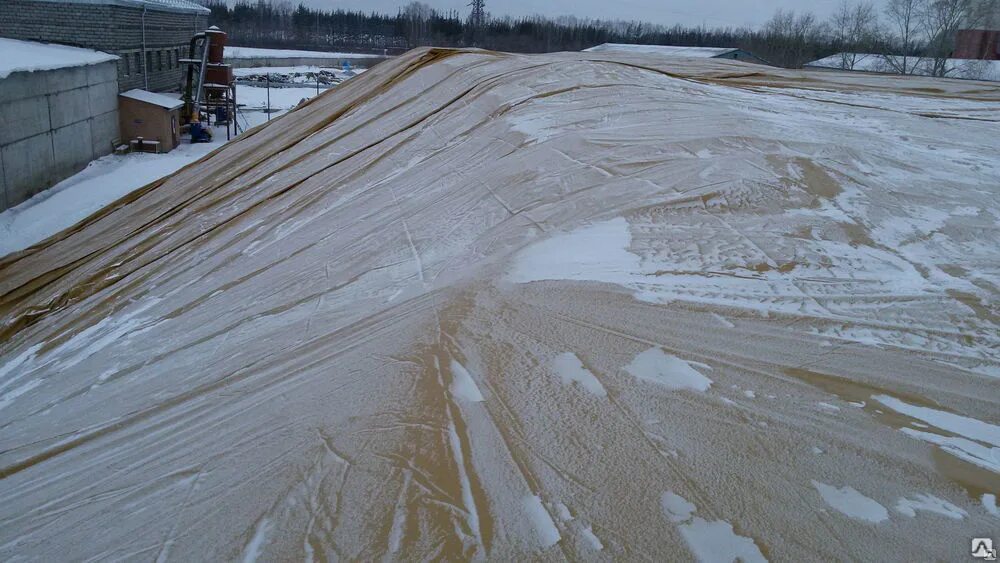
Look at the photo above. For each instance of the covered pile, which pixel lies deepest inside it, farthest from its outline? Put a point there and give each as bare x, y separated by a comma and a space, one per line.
471, 304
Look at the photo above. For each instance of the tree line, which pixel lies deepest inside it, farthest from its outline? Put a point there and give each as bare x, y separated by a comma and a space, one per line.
920, 28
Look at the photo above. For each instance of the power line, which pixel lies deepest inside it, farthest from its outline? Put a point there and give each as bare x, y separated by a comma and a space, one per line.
478, 16
477, 21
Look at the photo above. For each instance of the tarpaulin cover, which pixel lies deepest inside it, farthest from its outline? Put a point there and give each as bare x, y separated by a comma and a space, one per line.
481, 305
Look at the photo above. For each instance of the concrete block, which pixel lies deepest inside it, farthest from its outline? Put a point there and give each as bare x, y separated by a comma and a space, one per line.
104, 72
20, 85
69, 107
72, 149
27, 167
103, 132
103, 97
23, 118
68, 78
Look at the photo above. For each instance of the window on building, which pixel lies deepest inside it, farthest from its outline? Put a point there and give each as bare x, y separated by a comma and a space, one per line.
149, 61
138, 63
125, 66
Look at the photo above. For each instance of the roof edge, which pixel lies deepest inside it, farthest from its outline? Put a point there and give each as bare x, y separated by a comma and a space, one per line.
152, 98
192, 9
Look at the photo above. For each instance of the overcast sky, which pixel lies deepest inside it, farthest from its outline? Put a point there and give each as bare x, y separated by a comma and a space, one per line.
713, 13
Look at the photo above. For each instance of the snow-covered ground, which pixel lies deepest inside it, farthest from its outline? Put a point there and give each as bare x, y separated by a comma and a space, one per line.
103, 181
111, 177
282, 99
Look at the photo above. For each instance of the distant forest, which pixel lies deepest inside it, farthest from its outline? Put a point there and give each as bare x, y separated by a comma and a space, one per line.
789, 39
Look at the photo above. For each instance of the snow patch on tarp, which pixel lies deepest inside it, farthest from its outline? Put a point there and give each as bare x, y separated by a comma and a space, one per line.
851, 503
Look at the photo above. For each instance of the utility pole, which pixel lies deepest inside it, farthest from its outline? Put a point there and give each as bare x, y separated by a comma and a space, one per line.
477, 20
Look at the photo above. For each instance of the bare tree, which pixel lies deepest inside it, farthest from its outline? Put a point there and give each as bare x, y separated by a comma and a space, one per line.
942, 20
989, 13
418, 16
790, 34
855, 28
907, 24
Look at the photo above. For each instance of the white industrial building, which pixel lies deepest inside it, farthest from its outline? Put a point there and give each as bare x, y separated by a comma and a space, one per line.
730, 53
966, 69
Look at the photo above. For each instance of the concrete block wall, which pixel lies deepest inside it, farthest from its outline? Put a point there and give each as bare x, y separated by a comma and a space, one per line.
112, 29
52, 124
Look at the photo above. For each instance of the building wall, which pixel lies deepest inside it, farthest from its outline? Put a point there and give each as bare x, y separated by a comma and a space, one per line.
741, 55
112, 29
52, 124
977, 44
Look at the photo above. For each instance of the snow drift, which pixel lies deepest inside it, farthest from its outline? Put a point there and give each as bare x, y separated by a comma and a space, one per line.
472, 304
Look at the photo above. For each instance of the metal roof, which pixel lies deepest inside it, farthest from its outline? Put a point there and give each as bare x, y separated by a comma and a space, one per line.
153, 98
671, 50
181, 6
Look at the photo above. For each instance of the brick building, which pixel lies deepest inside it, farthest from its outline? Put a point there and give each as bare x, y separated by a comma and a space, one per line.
983, 44
149, 36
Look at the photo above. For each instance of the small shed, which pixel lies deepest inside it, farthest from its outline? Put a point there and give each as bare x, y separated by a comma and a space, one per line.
153, 117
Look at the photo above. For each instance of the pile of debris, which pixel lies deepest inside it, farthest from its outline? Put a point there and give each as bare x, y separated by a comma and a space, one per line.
290, 77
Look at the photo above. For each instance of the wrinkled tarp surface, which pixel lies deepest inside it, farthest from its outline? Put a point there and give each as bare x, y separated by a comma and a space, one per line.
578, 305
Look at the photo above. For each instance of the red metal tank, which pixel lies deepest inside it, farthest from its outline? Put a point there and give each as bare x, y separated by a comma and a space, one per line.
217, 44
219, 74
983, 44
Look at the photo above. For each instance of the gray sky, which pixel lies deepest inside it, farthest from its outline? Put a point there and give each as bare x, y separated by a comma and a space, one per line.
713, 13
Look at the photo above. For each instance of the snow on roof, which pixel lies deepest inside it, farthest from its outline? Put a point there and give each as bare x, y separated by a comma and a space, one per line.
255, 53
185, 6
153, 98
968, 69
669, 50
29, 56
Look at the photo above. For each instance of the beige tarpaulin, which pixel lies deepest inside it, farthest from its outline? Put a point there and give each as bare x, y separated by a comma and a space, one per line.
479, 305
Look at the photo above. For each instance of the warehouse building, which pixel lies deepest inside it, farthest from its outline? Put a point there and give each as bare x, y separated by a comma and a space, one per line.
149, 36
964, 69
730, 53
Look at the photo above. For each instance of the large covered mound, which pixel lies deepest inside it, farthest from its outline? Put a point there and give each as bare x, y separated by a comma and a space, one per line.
584, 305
